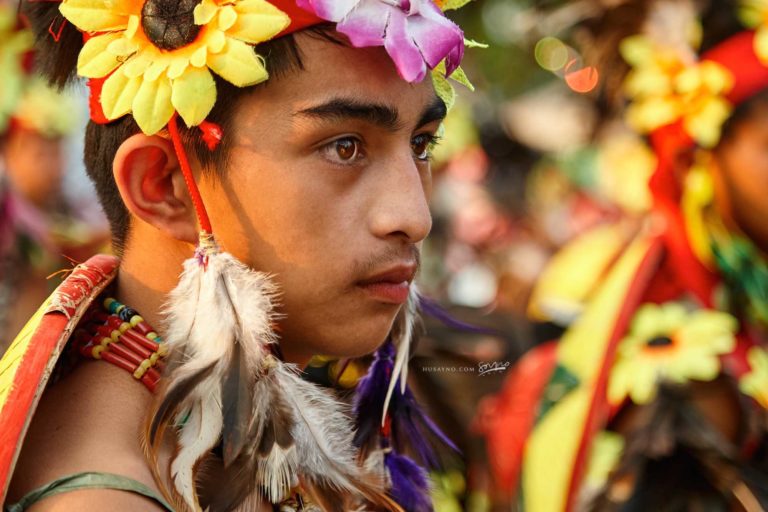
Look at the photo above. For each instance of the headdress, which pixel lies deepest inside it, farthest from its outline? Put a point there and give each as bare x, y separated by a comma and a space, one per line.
224, 379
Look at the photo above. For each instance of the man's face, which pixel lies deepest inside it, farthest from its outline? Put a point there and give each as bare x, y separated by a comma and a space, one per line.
327, 189
743, 175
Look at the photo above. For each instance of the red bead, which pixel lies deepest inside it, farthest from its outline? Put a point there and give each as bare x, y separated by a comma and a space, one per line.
143, 328
126, 352
116, 360
138, 344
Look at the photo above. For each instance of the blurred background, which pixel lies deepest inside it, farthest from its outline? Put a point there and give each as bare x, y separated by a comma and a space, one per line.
536, 155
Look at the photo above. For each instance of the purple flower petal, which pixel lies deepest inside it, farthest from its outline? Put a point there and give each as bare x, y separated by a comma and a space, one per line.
415, 33
401, 47
331, 10
436, 36
366, 24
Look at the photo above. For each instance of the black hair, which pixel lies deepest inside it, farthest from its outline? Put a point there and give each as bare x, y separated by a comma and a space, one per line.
57, 61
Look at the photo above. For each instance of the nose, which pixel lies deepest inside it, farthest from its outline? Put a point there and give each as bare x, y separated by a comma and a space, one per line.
401, 205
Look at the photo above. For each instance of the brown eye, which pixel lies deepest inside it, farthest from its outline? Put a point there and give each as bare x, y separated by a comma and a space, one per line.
344, 151
421, 145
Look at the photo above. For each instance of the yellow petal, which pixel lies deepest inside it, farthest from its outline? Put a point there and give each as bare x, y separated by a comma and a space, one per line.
258, 21
199, 58
117, 94
136, 65
94, 60
155, 69
194, 94
152, 108
205, 11
636, 50
97, 15
238, 64
133, 26
122, 47
227, 17
215, 41
177, 67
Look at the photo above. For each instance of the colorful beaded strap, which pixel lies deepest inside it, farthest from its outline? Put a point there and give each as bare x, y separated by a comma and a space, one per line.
120, 336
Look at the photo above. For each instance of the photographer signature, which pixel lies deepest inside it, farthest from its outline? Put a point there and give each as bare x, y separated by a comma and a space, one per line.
495, 366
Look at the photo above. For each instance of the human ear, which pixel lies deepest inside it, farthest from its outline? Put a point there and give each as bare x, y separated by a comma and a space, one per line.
149, 178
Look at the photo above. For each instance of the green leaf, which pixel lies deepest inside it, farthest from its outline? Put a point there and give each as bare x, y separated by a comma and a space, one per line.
471, 43
454, 4
443, 87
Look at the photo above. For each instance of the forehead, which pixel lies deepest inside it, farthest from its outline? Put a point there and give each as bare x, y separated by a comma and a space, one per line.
335, 70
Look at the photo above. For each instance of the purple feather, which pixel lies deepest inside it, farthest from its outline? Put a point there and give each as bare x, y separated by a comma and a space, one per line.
412, 427
369, 398
410, 484
433, 309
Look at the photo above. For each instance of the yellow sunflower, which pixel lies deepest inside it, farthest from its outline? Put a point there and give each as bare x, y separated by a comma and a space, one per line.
667, 342
755, 383
158, 54
666, 86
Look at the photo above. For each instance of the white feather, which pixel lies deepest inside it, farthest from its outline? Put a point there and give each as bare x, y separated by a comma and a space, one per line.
277, 472
406, 320
322, 432
213, 307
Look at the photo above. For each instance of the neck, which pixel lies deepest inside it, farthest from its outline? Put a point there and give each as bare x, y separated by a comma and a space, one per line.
150, 270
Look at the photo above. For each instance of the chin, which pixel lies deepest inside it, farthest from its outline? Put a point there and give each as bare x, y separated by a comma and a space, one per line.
356, 339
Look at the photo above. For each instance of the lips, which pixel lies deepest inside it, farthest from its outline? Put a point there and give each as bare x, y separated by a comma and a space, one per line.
391, 286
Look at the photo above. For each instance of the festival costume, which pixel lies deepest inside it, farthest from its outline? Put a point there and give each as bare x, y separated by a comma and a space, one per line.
677, 300
224, 383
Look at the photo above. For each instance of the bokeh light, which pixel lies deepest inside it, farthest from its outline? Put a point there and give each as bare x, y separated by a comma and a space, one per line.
551, 54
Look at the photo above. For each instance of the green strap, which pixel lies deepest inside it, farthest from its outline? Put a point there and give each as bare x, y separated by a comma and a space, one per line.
88, 480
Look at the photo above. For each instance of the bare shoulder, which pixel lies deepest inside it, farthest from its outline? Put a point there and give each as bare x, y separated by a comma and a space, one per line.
91, 421
96, 500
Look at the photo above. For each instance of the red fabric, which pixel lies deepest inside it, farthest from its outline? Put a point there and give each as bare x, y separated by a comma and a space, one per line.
69, 302
508, 418
669, 144
737, 54
300, 18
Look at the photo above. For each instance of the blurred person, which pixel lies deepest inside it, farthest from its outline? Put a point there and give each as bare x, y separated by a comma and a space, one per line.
655, 397
316, 178
36, 227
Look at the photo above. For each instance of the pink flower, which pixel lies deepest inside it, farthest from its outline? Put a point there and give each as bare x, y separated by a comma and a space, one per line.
415, 33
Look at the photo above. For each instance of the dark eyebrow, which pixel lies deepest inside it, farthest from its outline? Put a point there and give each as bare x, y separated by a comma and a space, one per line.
435, 111
340, 109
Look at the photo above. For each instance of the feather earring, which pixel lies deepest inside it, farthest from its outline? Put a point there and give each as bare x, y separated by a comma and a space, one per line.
219, 331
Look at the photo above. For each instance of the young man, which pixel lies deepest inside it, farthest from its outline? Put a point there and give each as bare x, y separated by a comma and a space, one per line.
318, 178
655, 398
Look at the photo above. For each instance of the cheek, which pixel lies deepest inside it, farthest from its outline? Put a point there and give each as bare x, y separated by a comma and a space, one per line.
279, 218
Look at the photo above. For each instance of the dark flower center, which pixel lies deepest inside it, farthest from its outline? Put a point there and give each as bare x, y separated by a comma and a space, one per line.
169, 24
659, 341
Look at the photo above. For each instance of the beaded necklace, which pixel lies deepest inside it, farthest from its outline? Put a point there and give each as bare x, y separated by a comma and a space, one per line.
119, 335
